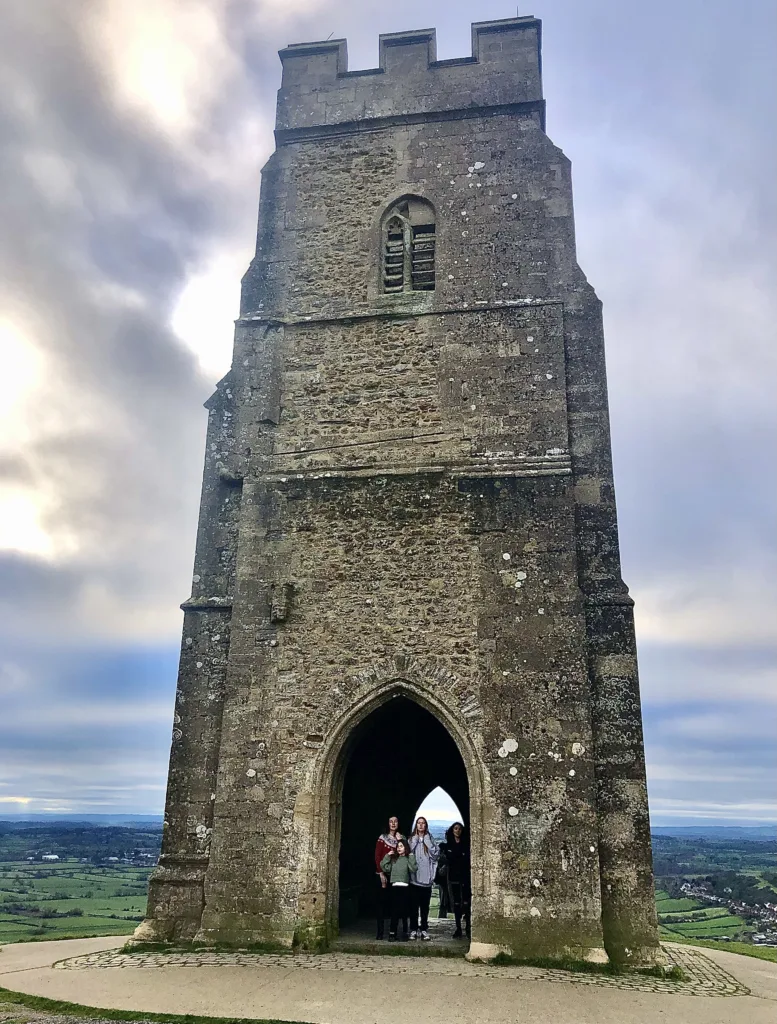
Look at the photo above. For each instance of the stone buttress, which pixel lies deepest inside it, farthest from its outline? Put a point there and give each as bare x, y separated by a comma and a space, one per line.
408, 491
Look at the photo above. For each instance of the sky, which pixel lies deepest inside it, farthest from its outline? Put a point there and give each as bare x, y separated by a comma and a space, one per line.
132, 134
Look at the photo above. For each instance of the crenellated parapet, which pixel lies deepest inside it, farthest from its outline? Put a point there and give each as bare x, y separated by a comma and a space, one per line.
318, 90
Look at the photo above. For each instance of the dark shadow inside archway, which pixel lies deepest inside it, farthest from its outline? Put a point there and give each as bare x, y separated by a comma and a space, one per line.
396, 756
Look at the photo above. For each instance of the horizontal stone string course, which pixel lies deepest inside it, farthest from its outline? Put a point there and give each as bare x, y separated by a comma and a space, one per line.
379, 313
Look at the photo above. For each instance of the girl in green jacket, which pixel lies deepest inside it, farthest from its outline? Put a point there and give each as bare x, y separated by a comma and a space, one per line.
398, 867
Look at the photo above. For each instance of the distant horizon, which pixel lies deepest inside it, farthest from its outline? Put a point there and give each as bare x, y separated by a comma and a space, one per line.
436, 806
685, 822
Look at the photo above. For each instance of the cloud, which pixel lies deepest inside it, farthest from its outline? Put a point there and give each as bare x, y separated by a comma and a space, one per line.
710, 607
86, 729
125, 173
680, 672
712, 754
92, 715
198, 315
690, 811
133, 135
721, 726
156, 58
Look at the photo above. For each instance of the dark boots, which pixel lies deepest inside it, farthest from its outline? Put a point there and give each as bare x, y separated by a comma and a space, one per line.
458, 934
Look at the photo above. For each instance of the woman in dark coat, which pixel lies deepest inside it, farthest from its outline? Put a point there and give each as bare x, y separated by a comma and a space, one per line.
441, 881
459, 887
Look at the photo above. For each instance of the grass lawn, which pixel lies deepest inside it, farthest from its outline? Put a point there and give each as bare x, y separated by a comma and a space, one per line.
667, 905
707, 912
729, 925
9, 999
743, 948
111, 900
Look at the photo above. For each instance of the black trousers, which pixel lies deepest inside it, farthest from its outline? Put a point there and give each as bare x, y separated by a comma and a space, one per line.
384, 904
421, 896
400, 898
460, 899
445, 898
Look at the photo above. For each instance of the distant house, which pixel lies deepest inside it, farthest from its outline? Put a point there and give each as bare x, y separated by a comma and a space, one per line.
50, 856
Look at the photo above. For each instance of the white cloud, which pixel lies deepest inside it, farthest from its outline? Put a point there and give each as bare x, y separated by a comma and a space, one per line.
708, 606
685, 680
104, 715
765, 811
207, 306
20, 523
24, 366
165, 59
666, 769
746, 722
53, 175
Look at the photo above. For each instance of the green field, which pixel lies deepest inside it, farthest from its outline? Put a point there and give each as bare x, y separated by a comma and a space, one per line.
666, 905
69, 898
706, 912
708, 922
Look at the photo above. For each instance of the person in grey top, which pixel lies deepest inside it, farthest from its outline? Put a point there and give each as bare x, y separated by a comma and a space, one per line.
426, 854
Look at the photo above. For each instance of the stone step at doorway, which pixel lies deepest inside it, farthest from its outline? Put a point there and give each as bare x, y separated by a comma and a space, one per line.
361, 935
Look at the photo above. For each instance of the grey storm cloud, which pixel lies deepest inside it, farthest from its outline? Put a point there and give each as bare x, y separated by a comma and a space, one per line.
109, 210
103, 217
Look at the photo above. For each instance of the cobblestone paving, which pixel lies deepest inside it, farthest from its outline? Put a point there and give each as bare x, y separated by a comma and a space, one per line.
703, 977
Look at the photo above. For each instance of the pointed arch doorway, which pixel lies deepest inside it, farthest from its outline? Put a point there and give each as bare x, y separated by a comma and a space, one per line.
395, 757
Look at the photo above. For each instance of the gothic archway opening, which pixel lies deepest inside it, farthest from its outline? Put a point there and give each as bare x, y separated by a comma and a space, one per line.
396, 756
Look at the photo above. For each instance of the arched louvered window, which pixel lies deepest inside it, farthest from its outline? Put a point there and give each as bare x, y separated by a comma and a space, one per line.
409, 246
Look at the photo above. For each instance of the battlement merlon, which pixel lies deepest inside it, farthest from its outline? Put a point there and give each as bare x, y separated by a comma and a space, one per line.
318, 89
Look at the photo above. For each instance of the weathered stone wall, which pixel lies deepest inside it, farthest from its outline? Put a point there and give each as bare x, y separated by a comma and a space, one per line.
427, 507
388, 566
484, 385
501, 190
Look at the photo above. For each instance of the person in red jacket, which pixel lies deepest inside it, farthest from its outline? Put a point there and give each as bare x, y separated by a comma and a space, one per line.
387, 843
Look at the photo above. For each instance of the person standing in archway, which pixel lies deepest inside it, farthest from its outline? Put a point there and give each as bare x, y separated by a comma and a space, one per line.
399, 866
387, 843
458, 857
426, 853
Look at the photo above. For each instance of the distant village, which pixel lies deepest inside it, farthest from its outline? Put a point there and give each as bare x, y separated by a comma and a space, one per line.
762, 915
137, 859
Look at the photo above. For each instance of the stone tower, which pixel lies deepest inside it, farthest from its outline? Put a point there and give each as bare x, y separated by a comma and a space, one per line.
407, 569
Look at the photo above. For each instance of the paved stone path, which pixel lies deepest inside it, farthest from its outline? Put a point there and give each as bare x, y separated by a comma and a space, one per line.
703, 977
346, 987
